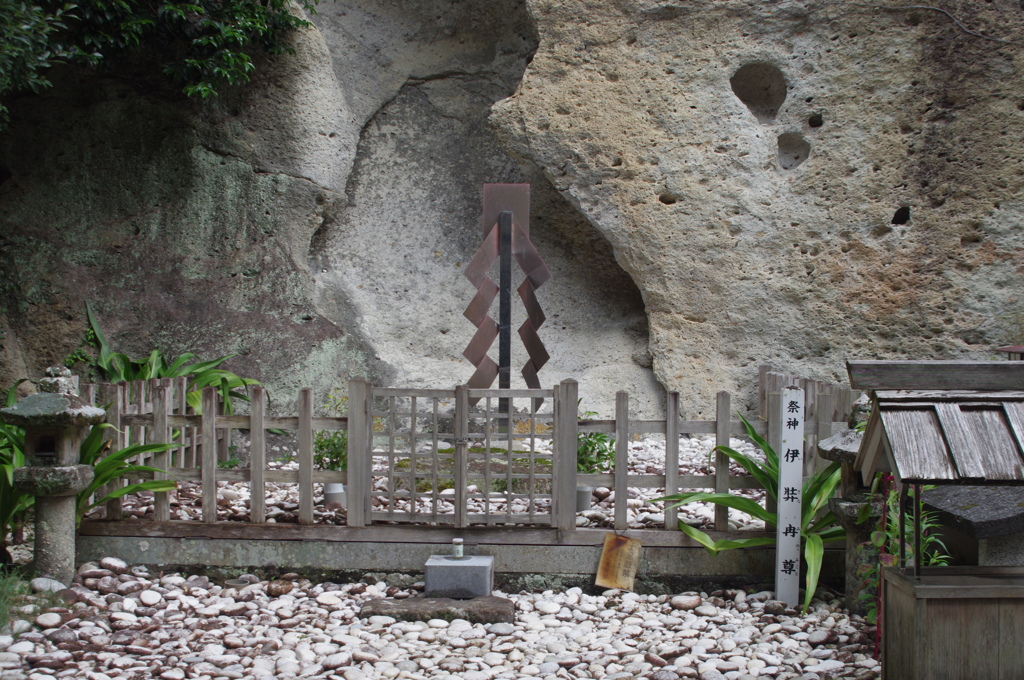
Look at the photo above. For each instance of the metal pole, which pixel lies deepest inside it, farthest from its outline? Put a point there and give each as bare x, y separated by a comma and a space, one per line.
917, 532
504, 307
903, 527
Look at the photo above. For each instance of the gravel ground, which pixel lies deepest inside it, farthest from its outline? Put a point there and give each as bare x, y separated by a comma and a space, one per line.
123, 622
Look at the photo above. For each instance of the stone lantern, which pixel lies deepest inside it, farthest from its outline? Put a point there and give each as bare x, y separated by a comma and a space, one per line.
55, 421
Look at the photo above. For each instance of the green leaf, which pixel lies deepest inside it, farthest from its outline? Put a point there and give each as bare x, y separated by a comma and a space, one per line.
155, 485
12, 393
818, 489
98, 332
814, 553
153, 365
699, 536
204, 366
864, 513
763, 475
175, 370
715, 547
771, 458
741, 503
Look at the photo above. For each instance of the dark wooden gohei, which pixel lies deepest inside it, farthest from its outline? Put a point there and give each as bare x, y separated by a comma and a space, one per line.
506, 232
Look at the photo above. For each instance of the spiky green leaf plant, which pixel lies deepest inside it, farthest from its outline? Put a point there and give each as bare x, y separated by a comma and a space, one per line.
818, 524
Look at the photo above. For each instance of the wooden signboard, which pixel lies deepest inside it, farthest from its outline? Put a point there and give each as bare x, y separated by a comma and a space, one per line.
787, 546
620, 558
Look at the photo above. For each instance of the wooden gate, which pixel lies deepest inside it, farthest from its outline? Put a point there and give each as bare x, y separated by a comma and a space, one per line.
460, 457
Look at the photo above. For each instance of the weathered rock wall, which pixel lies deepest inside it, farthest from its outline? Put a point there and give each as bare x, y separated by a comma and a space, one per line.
185, 225
316, 221
794, 183
394, 253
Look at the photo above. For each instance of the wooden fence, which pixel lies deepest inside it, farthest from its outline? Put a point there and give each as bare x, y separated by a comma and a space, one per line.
398, 470
824, 402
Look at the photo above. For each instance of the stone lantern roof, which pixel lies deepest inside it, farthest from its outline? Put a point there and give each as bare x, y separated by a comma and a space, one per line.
51, 411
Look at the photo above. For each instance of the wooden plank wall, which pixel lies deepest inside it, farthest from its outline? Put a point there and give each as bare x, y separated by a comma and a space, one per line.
134, 412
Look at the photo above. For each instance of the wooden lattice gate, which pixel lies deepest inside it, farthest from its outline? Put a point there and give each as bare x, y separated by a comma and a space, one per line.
456, 457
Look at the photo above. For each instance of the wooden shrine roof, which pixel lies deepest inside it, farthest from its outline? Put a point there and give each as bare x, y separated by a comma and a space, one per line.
945, 437
970, 435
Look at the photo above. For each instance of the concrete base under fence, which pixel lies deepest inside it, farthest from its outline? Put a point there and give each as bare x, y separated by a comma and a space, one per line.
406, 549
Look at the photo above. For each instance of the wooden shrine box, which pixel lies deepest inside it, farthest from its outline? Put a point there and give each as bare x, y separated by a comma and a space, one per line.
944, 422
955, 623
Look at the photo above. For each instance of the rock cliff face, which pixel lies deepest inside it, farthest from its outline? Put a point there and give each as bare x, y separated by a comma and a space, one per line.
186, 226
717, 184
795, 183
316, 221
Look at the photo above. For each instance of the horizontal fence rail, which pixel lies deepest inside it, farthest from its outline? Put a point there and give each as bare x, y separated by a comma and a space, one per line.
423, 456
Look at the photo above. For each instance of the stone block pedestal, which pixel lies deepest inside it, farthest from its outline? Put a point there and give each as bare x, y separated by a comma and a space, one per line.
460, 577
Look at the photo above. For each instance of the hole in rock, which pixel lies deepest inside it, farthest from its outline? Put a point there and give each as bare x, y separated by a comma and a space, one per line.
762, 87
816, 121
793, 150
667, 199
901, 216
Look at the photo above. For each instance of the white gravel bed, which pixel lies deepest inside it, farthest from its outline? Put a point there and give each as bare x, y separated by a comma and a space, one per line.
133, 624
646, 456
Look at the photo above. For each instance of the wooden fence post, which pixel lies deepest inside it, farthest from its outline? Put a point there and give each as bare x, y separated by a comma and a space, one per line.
762, 390
113, 396
257, 456
209, 462
137, 390
621, 460
161, 435
774, 436
461, 458
190, 435
306, 456
223, 434
671, 457
722, 428
811, 388
822, 429
359, 453
566, 430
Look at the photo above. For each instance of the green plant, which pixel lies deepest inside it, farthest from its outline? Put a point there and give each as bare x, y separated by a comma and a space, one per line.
119, 367
93, 451
886, 541
229, 464
29, 44
197, 44
14, 591
595, 451
817, 524
108, 467
330, 447
13, 502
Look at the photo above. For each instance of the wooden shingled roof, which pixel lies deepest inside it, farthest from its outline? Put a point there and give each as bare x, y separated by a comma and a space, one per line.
925, 428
